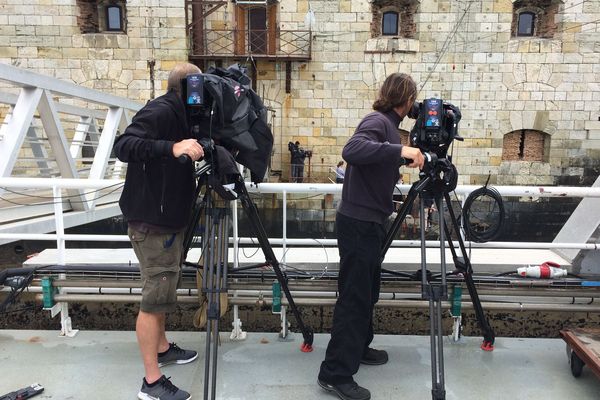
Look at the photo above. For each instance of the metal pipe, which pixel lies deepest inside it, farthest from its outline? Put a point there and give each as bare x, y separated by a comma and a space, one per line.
323, 188
323, 290
311, 242
407, 304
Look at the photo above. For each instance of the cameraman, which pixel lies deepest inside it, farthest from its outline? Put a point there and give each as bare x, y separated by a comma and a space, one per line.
297, 161
156, 203
373, 155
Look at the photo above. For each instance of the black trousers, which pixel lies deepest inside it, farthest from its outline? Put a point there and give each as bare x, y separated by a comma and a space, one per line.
359, 244
298, 173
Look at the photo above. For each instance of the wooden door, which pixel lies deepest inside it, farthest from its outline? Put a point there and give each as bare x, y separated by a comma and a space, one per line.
257, 30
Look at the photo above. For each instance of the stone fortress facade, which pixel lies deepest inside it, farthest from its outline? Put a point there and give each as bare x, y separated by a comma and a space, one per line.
525, 73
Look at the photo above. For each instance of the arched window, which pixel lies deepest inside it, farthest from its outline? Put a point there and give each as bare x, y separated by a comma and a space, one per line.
389, 23
114, 18
526, 24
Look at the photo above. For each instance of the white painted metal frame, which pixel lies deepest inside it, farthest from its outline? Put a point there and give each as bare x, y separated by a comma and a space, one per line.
237, 333
40, 96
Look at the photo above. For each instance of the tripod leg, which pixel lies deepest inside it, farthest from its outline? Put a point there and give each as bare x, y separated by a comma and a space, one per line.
464, 266
207, 287
263, 240
438, 391
435, 294
220, 248
195, 220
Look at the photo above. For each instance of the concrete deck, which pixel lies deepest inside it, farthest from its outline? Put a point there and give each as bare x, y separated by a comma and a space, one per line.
106, 365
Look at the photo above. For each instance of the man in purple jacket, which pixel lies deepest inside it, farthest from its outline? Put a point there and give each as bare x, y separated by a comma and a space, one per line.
373, 155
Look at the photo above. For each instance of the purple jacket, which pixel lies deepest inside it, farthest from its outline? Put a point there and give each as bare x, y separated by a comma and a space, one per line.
373, 157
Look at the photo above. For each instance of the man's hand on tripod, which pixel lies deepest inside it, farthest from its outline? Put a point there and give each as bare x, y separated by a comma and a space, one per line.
190, 148
414, 157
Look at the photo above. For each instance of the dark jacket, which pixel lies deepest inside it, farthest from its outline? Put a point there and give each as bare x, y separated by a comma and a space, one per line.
298, 155
158, 189
373, 157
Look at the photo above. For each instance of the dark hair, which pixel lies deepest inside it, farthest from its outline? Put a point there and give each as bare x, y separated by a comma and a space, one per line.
397, 90
340, 163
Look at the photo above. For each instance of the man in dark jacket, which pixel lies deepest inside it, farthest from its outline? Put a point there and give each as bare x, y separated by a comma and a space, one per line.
156, 203
297, 156
373, 155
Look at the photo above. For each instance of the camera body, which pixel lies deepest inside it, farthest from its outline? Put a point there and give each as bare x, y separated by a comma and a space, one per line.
221, 106
436, 126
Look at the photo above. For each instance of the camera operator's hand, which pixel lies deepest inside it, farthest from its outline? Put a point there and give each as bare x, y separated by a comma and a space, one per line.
413, 156
189, 147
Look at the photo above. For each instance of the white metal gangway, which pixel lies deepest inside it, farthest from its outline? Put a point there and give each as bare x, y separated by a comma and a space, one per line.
54, 129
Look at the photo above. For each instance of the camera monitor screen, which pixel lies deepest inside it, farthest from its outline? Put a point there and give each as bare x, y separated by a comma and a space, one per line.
433, 114
195, 90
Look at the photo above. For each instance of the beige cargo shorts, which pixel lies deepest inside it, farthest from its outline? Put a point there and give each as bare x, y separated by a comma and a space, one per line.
160, 256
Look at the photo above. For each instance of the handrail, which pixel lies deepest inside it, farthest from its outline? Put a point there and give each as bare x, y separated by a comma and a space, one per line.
27, 79
286, 188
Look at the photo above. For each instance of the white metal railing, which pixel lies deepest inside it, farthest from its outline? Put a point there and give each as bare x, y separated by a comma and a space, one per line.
57, 185
54, 128
280, 188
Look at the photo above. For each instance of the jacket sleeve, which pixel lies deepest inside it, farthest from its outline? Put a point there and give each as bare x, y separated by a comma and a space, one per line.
143, 139
368, 144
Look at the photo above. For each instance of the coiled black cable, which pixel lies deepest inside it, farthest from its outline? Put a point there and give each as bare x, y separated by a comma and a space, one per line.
478, 229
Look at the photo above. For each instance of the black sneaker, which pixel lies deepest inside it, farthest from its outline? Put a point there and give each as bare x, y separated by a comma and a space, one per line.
176, 355
346, 391
374, 357
162, 389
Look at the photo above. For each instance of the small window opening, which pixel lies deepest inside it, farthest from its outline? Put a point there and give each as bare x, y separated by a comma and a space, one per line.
114, 21
526, 24
390, 23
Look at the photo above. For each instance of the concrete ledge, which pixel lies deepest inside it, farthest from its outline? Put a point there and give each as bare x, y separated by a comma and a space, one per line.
317, 258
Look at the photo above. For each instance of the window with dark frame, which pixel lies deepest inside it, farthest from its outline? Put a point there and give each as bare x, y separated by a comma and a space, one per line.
98, 16
526, 24
389, 23
114, 18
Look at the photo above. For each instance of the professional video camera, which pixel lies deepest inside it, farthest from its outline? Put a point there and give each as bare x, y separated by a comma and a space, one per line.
222, 106
435, 129
436, 126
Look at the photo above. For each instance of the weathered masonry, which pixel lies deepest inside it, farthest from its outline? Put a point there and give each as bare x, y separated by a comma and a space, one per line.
525, 73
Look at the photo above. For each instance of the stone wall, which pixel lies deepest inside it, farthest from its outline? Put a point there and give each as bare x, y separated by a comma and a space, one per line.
463, 52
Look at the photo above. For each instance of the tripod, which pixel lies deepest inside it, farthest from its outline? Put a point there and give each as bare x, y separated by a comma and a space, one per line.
215, 242
435, 179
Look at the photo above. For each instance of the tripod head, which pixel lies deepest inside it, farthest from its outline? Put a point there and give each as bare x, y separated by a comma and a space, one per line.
435, 129
442, 174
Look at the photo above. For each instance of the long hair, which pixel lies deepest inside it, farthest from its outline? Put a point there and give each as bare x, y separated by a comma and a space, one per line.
397, 90
179, 72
